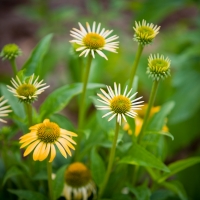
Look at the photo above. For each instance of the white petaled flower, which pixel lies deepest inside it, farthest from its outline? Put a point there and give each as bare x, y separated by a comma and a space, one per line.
119, 105
3, 109
28, 90
94, 40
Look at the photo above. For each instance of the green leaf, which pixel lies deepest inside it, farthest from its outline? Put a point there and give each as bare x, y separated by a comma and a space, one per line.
141, 192
58, 99
177, 188
191, 76
137, 155
103, 122
28, 195
13, 101
131, 122
58, 182
160, 133
179, 166
158, 120
62, 121
161, 194
34, 62
97, 167
41, 175
13, 171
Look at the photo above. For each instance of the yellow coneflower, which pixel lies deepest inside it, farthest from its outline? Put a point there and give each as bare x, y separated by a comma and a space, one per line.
78, 183
119, 105
43, 138
4, 109
27, 91
145, 32
93, 40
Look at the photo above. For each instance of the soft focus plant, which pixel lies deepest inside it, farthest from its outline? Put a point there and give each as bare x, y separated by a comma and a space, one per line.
106, 163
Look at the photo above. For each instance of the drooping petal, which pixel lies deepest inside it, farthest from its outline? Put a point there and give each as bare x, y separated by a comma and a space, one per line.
53, 153
37, 150
31, 147
62, 150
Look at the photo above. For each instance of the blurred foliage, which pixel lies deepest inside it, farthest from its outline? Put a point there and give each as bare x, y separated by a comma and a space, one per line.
178, 39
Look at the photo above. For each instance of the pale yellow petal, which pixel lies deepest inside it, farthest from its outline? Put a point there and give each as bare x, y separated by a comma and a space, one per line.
27, 135
35, 127
62, 150
46, 152
41, 156
70, 145
37, 150
65, 145
63, 131
31, 147
28, 142
68, 138
28, 138
46, 121
53, 153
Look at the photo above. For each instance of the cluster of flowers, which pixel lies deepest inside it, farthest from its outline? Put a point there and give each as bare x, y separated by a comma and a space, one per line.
43, 137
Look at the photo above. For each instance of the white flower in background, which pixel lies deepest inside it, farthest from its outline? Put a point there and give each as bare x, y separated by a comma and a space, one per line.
28, 90
94, 40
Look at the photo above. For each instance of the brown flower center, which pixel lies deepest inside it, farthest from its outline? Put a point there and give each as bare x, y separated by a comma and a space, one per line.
120, 104
48, 132
77, 175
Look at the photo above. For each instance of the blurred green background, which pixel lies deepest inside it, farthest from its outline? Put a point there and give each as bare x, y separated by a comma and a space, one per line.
26, 22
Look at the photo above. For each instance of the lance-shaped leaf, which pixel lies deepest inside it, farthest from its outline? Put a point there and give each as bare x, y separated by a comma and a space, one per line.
34, 62
137, 155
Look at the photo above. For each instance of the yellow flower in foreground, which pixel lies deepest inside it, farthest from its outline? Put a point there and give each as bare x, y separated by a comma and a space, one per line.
78, 183
145, 32
43, 138
93, 40
3, 109
119, 105
139, 120
28, 90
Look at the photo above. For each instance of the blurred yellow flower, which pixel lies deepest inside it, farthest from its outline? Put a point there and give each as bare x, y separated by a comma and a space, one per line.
139, 120
43, 138
78, 183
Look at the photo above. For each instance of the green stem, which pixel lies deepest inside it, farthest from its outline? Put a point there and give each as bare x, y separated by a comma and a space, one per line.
28, 108
110, 163
82, 103
134, 176
14, 66
50, 182
135, 64
150, 104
